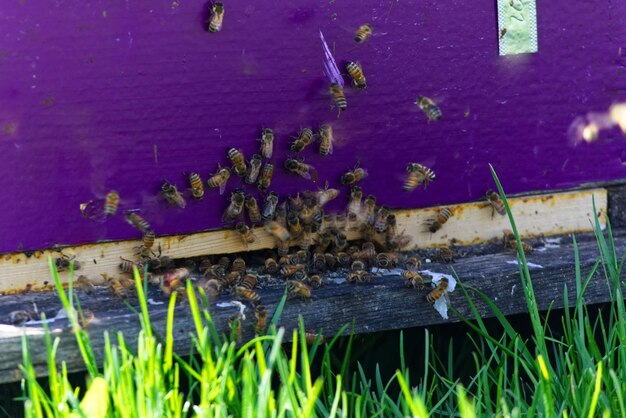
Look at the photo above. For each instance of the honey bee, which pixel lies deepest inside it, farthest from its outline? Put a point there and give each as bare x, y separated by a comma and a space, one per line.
363, 33
111, 202
239, 265
356, 73
234, 324
271, 266
231, 278
127, 266
85, 285
219, 179
442, 217
269, 207
293, 259
267, 143
235, 208
316, 281
239, 162
282, 247
284, 260
367, 253
197, 187
326, 138
294, 226
310, 338
438, 291
247, 294
224, 262
148, 239
247, 236
319, 262
254, 213
217, 17
299, 168
265, 179
445, 255
510, 243
344, 259
212, 287
380, 222
304, 138
120, 287
359, 276
324, 240
278, 231
497, 205
172, 195
337, 94
174, 280
413, 263
260, 313
254, 169
386, 261
413, 279
302, 256
331, 261
354, 206
326, 195
368, 210
137, 221
63, 263
296, 288
291, 269
418, 174
429, 107
250, 281
358, 265
19, 317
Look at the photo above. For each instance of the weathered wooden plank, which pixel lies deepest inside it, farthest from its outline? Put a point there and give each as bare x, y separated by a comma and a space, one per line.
385, 304
471, 223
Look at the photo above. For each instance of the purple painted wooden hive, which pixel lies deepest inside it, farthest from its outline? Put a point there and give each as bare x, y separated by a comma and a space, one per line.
89, 90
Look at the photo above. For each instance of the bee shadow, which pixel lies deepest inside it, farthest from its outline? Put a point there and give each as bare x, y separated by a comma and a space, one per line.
205, 15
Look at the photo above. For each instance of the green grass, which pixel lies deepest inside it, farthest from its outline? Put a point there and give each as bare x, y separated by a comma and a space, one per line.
577, 370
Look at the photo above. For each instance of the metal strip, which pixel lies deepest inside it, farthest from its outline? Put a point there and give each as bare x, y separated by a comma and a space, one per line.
517, 27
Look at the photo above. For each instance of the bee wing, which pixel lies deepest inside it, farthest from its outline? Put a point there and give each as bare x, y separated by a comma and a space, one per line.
223, 187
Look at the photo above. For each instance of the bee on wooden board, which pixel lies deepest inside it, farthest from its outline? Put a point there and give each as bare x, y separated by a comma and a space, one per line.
239, 265
429, 107
359, 276
219, 179
355, 203
326, 139
290, 269
278, 231
63, 263
120, 287
442, 217
231, 278
413, 263
319, 262
127, 266
497, 205
282, 248
355, 71
315, 281
413, 279
197, 187
304, 138
111, 203
137, 221
380, 221
386, 261
267, 143
235, 208
254, 213
260, 313
84, 284
418, 174
217, 17
172, 196
148, 239
239, 161
269, 207
20, 316
265, 179
174, 280
440, 290
296, 288
444, 255
250, 281
247, 294
247, 236
368, 210
363, 33
224, 262
294, 226
338, 96
254, 169
510, 243
301, 169
271, 266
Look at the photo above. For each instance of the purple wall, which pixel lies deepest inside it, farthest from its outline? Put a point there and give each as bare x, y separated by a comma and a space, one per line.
89, 87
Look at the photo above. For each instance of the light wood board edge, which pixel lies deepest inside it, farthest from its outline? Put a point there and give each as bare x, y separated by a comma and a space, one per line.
471, 223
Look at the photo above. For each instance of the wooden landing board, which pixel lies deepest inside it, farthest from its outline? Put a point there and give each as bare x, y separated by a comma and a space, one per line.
471, 223
384, 304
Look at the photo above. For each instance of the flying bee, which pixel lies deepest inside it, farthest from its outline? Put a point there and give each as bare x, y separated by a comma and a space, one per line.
111, 202
254, 169
337, 94
217, 17
304, 138
250, 281
429, 107
269, 207
278, 231
260, 313
148, 239
359, 276
296, 288
319, 262
271, 266
356, 73
316, 281
326, 139
254, 213
413, 263
442, 217
137, 221
267, 143
247, 294
438, 291
84, 284
235, 208
219, 179
363, 33
497, 205
386, 261
63, 263
172, 196
413, 279
247, 236
418, 174
291, 269
299, 168
344, 259
265, 179
197, 187
239, 265
445, 255
234, 324
294, 226
239, 162
380, 222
